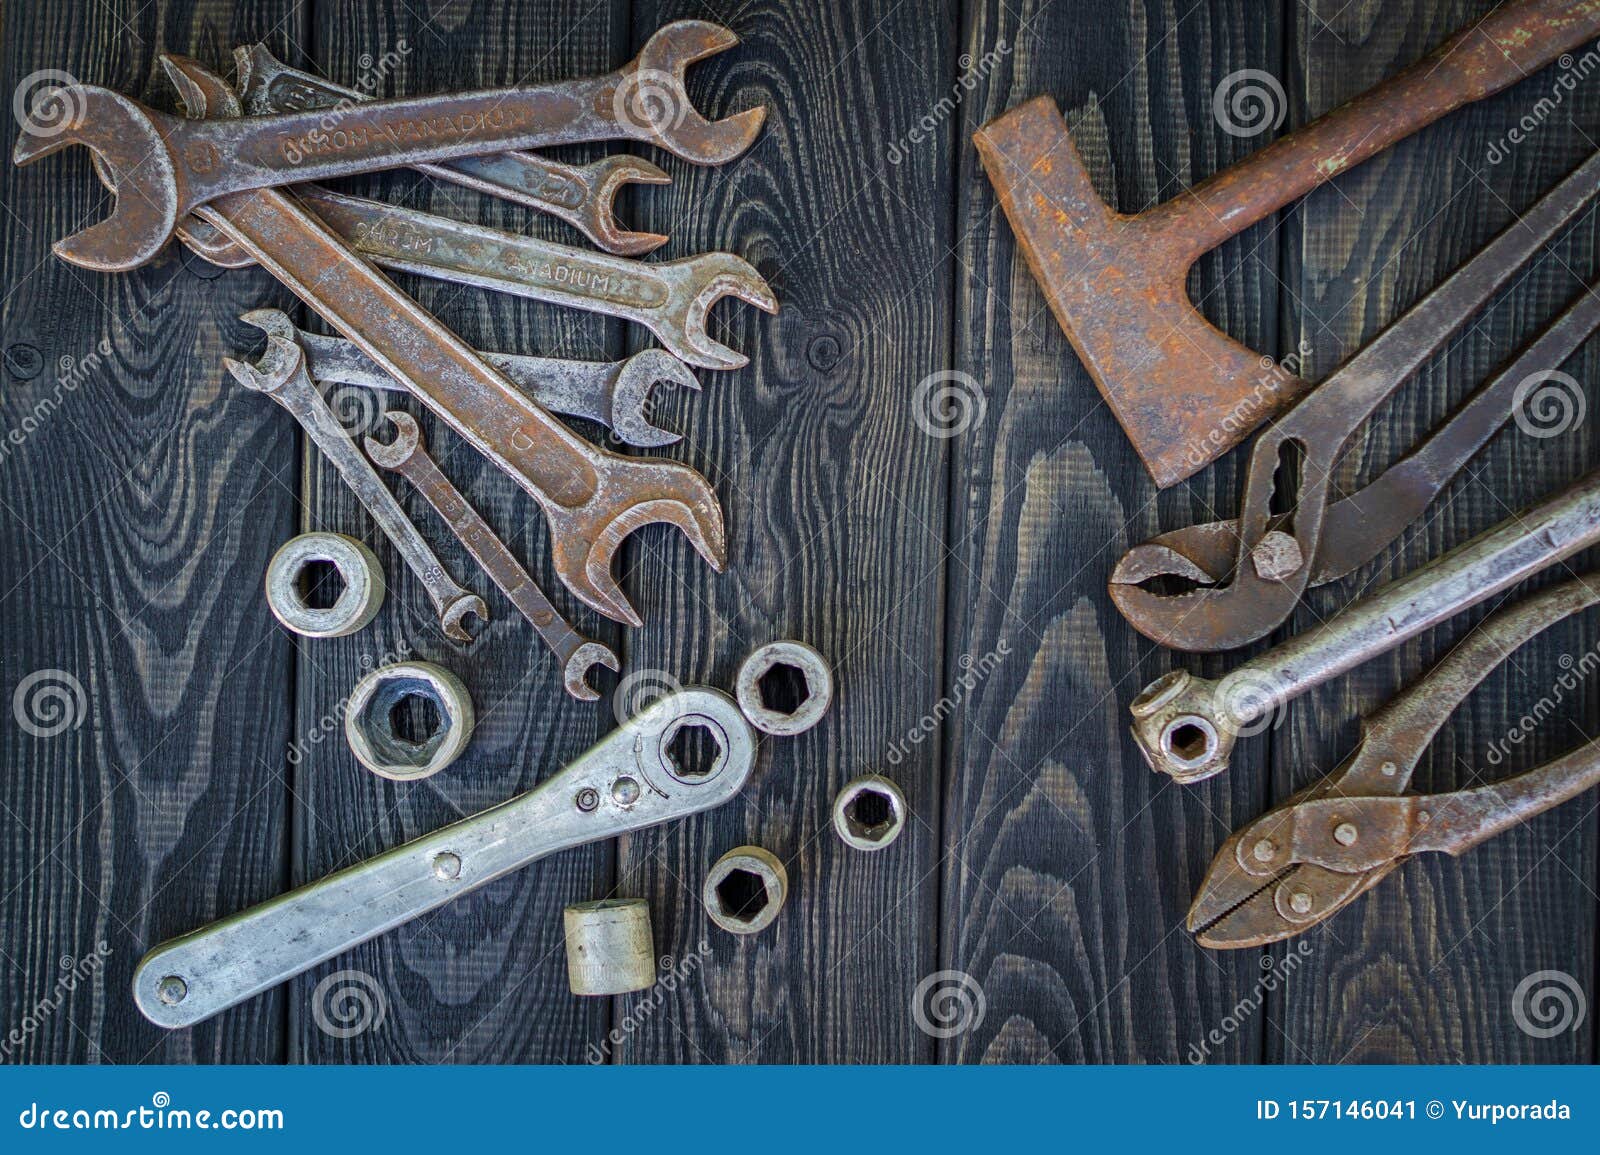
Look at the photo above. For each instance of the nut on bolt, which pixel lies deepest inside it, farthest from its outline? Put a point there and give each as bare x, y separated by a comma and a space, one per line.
359, 573
370, 723
869, 813
745, 890
759, 684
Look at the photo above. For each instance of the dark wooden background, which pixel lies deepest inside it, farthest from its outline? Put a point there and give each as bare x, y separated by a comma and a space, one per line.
1044, 859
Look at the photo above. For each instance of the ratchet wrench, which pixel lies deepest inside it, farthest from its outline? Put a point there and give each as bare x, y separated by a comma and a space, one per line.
628, 781
407, 455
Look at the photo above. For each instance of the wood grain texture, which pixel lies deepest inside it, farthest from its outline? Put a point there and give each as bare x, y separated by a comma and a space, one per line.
1425, 968
138, 512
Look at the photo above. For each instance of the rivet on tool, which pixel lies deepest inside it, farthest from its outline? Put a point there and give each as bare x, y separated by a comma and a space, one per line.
625, 791
1265, 849
446, 866
588, 798
172, 990
1300, 902
1388, 769
1345, 834
1423, 818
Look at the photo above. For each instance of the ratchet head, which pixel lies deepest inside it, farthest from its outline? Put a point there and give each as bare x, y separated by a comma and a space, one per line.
631, 392
707, 279
651, 102
582, 660
129, 142
599, 216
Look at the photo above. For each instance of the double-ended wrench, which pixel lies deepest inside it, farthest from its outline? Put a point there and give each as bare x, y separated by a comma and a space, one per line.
628, 781
163, 167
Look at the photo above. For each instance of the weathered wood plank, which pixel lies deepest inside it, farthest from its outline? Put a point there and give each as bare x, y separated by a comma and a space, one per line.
835, 504
466, 983
1424, 969
140, 497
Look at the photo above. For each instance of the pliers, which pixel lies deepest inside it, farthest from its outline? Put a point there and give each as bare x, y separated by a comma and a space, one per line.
1312, 856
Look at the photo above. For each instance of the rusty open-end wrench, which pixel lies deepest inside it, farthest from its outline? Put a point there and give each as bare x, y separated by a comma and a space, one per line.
592, 499
672, 299
163, 167
408, 456
1276, 556
614, 393
582, 195
282, 376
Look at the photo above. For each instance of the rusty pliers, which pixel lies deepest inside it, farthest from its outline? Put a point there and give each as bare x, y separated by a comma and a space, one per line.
1247, 575
1332, 842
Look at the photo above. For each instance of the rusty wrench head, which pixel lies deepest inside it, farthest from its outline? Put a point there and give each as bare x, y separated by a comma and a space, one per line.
651, 103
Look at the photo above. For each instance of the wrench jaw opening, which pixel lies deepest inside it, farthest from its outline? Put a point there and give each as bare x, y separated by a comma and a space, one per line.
583, 659
631, 397
133, 160
280, 364
456, 611
721, 275
650, 102
601, 224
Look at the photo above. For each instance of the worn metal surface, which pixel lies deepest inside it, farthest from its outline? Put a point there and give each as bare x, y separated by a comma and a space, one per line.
282, 376
815, 673
369, 723
238, 957
1185, 392
592, 499
609, 947
408, 456
672, 299
1186, 726
616, 394
583, 195
869, 813
163, 167
1274, 556
1328, 844
359, 599
745, 890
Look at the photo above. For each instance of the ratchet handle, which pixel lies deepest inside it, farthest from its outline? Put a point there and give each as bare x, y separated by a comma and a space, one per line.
626, 782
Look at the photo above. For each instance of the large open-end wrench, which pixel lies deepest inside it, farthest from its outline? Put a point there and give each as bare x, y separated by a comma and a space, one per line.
163, 167
628, 781
672, 299
614, 393
282, 376
408, 456
1187, 726
582, 195
592, 499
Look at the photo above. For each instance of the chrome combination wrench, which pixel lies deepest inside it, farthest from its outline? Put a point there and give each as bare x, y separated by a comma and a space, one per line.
407, 455
282, 376
582, 195
1186, 726
615, 394
163, 167
627, 781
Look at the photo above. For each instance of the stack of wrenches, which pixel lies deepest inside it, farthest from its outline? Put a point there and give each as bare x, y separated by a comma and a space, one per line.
213, 180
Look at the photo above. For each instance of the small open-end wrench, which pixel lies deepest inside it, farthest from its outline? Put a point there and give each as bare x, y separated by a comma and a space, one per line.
582, 195
282, 376
592, 499
163, 167
672, 298
614, 393
1187, 726
1277, 556
408, 456
628, 781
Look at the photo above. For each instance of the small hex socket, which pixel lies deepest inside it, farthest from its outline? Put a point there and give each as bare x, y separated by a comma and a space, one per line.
745, 890
869, 813
609, 946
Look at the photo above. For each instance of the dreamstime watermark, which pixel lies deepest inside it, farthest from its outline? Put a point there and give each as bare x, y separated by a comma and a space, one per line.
673, 972
1574, 672
46, 103
973, 72
1573, 73
71, 374
650, 102
972, 673
333, 720
1548, 404
348, 1003
1266, 396
358, 410
948, 1003
1549, 1003
948, 403
160, 1115
1251, 702
49, 702
1249, 102
640, 690
1276, 974
74, 970
326, 136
